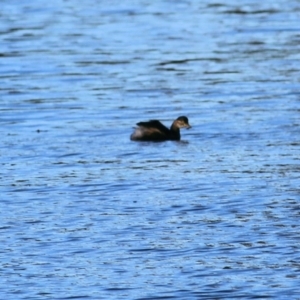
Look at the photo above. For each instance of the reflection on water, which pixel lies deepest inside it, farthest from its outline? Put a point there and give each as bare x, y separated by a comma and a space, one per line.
86, 213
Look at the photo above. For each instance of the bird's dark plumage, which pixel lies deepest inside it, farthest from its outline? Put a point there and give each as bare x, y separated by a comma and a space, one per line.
155, 131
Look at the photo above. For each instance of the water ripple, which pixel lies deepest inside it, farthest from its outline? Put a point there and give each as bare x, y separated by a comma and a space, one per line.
88, 214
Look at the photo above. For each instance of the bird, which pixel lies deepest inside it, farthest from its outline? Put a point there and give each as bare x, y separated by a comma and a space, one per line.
155, 131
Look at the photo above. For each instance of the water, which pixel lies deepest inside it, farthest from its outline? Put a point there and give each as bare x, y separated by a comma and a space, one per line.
88, 214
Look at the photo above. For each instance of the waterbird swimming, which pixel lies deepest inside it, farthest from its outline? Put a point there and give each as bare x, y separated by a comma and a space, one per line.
155, 131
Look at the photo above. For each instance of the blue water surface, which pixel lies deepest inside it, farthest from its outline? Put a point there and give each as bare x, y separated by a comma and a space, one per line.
85, 213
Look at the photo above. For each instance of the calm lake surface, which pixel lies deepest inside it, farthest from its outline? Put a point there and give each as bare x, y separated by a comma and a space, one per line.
85, 213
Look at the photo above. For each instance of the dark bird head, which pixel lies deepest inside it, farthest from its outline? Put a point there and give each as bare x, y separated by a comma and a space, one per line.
183, 122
